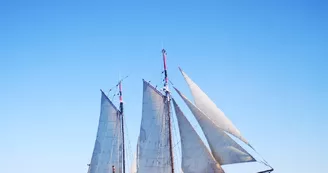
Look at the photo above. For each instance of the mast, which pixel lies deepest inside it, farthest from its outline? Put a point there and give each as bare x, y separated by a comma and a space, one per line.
122, 117
167, 96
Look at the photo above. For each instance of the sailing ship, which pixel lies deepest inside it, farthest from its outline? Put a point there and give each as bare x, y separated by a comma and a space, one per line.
109, 150
155, 145
155, 148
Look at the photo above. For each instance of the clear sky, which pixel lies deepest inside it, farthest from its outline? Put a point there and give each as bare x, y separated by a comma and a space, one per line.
263, 62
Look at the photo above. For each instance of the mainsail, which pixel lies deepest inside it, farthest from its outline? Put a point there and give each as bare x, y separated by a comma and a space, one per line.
204, 103
224, 149
107, 151
153, 144
195, 156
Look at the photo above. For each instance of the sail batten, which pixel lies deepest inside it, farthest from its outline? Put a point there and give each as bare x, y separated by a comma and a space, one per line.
196, 157
204, 103
153, 143
106, 153
224, 149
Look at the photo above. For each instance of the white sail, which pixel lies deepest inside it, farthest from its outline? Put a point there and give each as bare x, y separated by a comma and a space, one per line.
106, 152
224, 149
153, 151
204, 103
196, 158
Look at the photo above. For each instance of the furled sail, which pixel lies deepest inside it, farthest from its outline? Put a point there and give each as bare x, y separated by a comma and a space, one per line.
195, 156
204, 103
153, 148
106, 151
224, 149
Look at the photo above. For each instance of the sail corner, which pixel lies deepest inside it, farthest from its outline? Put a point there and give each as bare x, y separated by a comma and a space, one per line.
145, 82
180, 69
182, 72
174, 102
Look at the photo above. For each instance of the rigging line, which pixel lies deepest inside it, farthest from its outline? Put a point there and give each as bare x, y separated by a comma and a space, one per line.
122, 79
162, 119
175, 130
114, 96
266, 171
233, 135
119, 145
197, 125
161, 81
113, 143
117, 84
129, 143
265, 162
171, 82
176, 146
164, 130
168, 97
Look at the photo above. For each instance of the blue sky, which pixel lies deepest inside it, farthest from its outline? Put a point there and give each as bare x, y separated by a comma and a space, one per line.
264, 63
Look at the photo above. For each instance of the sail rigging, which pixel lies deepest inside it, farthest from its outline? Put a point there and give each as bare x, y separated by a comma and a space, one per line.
153, 144
106, 151
122, 146
212, 119
154, 151
224, 149
196, 157
168, 104
204, 103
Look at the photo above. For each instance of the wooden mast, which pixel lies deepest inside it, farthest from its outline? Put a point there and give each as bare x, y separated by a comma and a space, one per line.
167, 96
122, 118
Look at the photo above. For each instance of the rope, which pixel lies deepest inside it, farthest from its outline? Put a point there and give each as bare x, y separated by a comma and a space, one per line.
115, 140
176, 146
264, 161
117, 85
129, 148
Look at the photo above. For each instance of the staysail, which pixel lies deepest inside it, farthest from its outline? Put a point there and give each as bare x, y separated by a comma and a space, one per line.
106, 151
153, 144
204, 103
224, 149
196, 157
